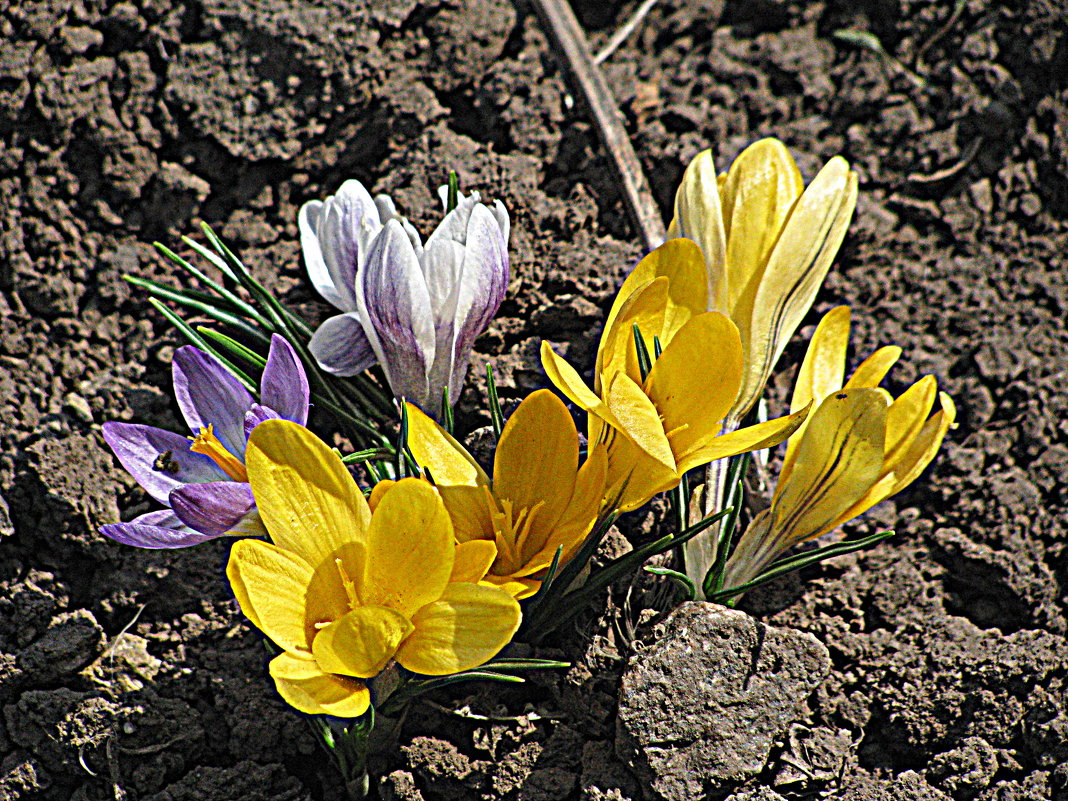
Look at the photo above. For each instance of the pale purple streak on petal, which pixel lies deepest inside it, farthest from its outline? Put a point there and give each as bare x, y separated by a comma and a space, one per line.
156, 530
284, 385
347, 223
483, 283
341, 346
399, 309
208, 393
308, 223
151, 455
212, 509
256, 415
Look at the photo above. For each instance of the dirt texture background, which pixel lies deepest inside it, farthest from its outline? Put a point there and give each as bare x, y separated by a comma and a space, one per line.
128, 674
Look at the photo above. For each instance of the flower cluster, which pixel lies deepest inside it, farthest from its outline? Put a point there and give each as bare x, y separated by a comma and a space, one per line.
429, 569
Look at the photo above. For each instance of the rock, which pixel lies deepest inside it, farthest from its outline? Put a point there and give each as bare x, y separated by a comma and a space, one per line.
965, 770
703, 705
79, 407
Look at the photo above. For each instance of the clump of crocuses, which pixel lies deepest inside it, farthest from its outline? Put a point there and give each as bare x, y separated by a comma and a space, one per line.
202, 479
411, 307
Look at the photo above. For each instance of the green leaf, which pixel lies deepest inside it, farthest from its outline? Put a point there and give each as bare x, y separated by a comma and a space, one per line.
496, 415
802, 560
645, 364
681, 580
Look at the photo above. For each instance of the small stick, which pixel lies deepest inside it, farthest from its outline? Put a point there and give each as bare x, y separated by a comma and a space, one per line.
625, 30
567, 38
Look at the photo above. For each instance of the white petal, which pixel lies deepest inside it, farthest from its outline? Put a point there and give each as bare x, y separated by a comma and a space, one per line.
398, 307
308, 222
347, 223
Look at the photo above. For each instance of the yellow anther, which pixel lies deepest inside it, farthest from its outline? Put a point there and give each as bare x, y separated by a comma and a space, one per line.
208, 444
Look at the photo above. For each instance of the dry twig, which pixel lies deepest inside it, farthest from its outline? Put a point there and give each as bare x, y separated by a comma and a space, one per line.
569, 41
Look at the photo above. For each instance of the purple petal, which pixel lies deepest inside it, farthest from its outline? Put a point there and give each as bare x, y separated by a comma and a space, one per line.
341, 346
284, 385
256, 415
156, 530
159, 460
399, 309
213, 509
208, 393
347, 223
483, 284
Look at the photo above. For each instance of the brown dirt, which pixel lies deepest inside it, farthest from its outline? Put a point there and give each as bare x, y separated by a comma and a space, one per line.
130, 674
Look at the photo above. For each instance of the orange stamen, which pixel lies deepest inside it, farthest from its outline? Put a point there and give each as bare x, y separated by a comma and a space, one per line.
208, 444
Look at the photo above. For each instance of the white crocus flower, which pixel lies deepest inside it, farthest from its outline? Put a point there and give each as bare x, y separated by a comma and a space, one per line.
415, 309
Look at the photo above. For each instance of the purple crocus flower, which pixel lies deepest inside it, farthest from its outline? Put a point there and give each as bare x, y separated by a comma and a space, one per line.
415, 309
202, 479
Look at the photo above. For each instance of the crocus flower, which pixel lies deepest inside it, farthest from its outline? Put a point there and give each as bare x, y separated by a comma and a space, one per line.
768, 243
202, 479
415, 309
659, 426
539, 500
345, 592
857, 449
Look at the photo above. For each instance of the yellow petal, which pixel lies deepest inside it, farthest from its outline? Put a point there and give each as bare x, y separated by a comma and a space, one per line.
822, 372
304, 686
909, 461
569, 382
798, 263
695, 381
410, 549
473, 560
307, 499
698, 216
679, 261
906, 417
378, 492
633, 476
471, 511
874, 369
434, 447
518, 588
839, 459
752, 438
617, 353
761, 188
468, 625
537, 458
270, 584
362, 642
581, 514
640, 420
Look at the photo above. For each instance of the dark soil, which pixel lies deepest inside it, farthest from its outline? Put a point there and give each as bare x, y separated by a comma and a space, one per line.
127, 674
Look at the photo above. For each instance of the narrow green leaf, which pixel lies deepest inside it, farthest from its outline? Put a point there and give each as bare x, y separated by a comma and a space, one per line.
446, 411
681, 580
803, 560
199, 341
496, 415
645, 364
453, 198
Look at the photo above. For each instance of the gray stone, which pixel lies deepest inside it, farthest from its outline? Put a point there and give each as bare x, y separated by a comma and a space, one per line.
702, 705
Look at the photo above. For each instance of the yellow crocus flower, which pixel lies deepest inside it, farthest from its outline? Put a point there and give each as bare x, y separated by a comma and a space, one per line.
659, 426
857, 449
767, 242
344, 592
538, 501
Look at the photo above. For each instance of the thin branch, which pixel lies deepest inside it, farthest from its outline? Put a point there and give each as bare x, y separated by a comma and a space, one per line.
625, 30
569, 41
